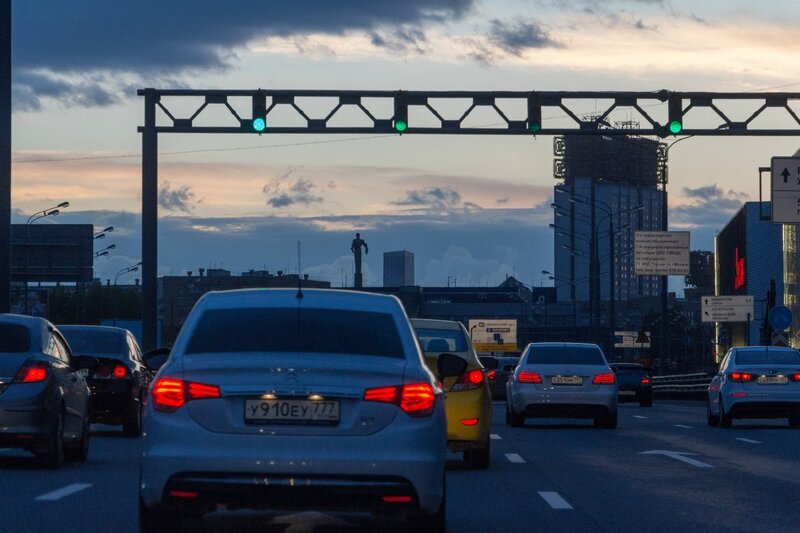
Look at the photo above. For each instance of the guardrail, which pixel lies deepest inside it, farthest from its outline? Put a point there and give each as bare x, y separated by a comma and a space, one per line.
682, 386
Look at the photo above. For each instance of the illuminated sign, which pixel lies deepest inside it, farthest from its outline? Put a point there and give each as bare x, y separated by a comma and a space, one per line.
738, 280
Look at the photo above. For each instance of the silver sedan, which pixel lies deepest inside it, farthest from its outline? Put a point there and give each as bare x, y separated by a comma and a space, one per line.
756, 382
286, 399
562, 380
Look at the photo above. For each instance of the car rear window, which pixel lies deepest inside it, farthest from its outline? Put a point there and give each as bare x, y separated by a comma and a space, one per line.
14, 338
568, 355
434, 340
768, 357
296, 330
107, 343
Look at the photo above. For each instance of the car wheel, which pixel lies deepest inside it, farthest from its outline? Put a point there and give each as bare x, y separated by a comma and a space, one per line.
725, 419
794, 421
132, 424
158, 520
478, 458
711, 419
53, 454
429, 523
80, 452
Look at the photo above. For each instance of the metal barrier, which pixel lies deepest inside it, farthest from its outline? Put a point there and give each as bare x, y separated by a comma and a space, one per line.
682, 386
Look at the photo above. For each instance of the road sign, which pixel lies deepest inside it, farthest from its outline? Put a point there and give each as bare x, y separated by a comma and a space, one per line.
493, 335
780, 317
631, 339
727, 308
779, 339
661, 253
785, 190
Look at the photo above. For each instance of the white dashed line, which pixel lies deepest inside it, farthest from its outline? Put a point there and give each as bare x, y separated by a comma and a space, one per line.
495, 436
554, 500
61, 493
749, 440
684, 427
514, 458
640, 416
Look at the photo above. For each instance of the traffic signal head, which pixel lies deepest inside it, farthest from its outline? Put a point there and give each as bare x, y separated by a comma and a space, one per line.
400, 118
259, 123
675, 115
534, 122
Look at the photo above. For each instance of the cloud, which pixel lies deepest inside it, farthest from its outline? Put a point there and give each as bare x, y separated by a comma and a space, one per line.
437, 198
31, 87
518, 36
401, 40
299, 192
706, 206
176, 199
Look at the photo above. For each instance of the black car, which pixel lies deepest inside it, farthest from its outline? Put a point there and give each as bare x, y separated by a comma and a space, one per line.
635, 383
120, 378
499, 369
44, 400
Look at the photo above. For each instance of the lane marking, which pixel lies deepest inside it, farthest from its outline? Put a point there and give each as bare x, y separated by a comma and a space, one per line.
495, 436
684, 427
640, 416
751, 441
554, 500
680, 456
63, 492
514, 458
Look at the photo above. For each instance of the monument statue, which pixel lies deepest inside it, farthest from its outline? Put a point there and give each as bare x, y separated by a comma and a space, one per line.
355, 247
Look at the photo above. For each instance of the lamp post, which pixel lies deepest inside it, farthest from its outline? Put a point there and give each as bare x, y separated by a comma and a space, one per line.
104, 251
102, 233
49, 212
132, 268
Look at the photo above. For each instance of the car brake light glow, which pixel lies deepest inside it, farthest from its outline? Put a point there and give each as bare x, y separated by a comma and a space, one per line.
491, 374
795, 377
645, 381
529, 377
397, 499
183, 493
741, 377
171, 393
470, 421
120, 371
469, 380
416, 399
31, 373
606, 378
738, 394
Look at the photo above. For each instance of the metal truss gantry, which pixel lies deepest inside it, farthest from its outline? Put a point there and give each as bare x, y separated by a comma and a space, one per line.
438, 112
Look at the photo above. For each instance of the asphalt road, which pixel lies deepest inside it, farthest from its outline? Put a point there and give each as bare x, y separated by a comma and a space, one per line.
662, 469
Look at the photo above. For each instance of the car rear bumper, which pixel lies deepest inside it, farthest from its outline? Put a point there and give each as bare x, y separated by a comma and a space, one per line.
179, 453
764, 409
566, 404
111, 403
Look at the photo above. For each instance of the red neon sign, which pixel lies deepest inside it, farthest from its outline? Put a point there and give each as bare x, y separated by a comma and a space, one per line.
738, 281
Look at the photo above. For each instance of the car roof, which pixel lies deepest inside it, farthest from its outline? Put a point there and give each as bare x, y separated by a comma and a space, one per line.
435, 324
38, 327
763, 348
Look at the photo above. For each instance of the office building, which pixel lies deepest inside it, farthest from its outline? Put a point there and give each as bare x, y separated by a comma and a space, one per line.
398, 268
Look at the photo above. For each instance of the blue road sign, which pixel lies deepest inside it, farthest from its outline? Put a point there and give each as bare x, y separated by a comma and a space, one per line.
780, 317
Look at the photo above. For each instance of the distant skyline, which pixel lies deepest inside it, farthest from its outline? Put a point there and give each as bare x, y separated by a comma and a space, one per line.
475, 209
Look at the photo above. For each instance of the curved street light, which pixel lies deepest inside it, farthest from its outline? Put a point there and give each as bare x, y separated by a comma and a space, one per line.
132, 268
105, 250
50, 211
102, 233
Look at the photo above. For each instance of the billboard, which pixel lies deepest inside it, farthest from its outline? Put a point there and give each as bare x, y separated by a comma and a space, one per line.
493, 335
661, 253
52, 252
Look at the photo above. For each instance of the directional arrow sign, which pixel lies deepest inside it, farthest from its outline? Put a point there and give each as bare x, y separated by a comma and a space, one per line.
786, 190
727, 308
680, 456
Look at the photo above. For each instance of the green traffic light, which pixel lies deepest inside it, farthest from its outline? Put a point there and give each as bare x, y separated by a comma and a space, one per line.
259, 124
534, 127
400, 125
675, 127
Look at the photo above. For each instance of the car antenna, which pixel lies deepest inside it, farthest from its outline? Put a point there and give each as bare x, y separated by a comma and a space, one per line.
299, 276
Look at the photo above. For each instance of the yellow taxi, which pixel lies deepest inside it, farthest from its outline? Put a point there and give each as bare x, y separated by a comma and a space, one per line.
469, 402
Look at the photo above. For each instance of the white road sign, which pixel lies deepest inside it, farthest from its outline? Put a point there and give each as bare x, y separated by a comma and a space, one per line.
493, 335
661, 253
785, 190
727, 308
631, 339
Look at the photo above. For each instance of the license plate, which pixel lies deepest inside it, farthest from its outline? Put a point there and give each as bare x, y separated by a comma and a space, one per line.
295, 411
627, 393
772, 380
566, 380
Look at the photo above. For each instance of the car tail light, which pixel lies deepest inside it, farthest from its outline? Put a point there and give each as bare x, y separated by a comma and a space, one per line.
120, 371
606, 378
741, 377
397, 499
470, 380
416, 399
795, 377
31, 373
470, 421
188, 494
645, 381
529, 377
491, 375
171, 393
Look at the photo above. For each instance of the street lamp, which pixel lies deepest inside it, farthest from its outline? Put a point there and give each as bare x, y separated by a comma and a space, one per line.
105, 250
102, 233
132, 268
50, 211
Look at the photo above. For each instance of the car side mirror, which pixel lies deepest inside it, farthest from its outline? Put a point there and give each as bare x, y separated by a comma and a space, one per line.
84, 362
449, 365
155, 359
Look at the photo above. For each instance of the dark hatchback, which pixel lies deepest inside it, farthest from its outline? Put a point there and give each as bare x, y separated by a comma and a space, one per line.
44, 400
120, 379
499, 369
635, 383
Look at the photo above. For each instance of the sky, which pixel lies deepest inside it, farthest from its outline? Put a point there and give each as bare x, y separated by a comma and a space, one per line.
473, 209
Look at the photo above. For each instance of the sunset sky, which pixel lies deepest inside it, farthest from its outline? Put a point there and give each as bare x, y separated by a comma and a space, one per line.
473, 209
